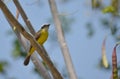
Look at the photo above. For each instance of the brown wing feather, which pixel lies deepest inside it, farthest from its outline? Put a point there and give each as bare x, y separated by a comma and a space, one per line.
37, 35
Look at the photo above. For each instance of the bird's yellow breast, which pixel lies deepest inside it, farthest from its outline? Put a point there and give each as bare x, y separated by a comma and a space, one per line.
43, 37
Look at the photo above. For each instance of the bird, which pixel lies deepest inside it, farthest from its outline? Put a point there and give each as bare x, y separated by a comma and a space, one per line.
41, 37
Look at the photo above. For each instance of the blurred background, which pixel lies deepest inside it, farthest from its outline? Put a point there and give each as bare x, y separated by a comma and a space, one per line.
85, 24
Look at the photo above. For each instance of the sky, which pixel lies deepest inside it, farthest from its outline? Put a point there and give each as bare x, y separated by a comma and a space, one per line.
85, 52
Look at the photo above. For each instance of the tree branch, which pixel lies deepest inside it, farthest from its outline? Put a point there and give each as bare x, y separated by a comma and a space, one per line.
33, 42
62, 41
37, 62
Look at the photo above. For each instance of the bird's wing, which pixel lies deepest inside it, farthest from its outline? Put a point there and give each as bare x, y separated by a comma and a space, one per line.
37, 35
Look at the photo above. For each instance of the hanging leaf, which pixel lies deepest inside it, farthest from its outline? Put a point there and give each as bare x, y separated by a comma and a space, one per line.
104, 58
114, 64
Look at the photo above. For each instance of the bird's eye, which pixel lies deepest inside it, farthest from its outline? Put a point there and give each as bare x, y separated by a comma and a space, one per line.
42, 27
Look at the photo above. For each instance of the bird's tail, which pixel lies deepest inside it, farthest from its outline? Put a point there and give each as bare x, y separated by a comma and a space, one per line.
27, 59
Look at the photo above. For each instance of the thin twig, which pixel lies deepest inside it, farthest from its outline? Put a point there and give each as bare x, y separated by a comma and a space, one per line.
35, 44
17, 14
25, 18
61, 40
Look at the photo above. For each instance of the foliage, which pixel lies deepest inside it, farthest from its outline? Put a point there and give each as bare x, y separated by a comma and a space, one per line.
3, 65
18, 50
90, 30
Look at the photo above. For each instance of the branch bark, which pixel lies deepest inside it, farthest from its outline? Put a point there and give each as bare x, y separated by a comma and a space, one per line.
19, 27
61, 40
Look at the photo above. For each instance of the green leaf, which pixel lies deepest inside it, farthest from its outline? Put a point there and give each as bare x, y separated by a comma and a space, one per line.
3, 65
109, 9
